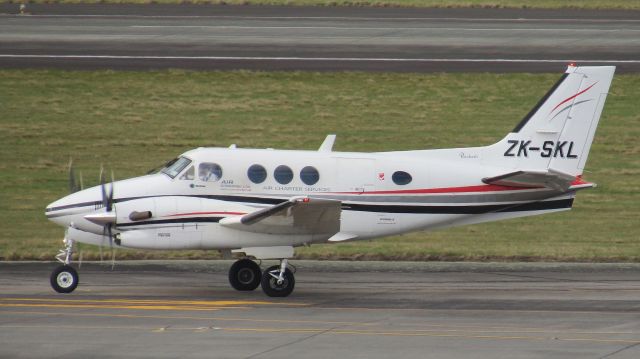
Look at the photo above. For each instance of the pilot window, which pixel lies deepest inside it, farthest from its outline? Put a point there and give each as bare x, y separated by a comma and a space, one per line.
176, 166
189, 174
209, 172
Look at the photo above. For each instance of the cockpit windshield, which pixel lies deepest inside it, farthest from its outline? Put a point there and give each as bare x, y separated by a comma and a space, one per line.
175, 166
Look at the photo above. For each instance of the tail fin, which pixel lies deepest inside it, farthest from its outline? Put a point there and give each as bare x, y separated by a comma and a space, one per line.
557, 133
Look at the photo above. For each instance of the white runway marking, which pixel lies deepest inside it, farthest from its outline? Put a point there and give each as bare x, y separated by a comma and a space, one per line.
374, 28
351, 59
348, 18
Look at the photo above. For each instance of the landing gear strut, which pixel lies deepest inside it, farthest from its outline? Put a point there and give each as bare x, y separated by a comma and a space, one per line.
245, 275
64, 279
278, 281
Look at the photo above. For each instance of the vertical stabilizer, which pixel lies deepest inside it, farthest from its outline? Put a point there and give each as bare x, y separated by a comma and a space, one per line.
557, 133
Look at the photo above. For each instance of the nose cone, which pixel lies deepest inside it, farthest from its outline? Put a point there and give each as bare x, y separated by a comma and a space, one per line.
64, 210
55, 212
59, 210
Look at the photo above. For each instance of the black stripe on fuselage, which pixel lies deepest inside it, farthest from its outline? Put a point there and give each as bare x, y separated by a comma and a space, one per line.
480, 209
379, 208
257, 200
538, 206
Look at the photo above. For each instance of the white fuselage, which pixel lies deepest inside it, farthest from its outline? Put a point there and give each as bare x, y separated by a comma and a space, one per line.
442, 189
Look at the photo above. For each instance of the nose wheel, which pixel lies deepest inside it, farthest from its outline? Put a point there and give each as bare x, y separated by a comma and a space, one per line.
64, 279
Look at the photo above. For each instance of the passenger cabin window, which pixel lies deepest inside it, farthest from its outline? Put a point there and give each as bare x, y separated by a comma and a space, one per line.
257, 173
174, 167
209, 172
401, 178
283, 174
309, 175
189, 174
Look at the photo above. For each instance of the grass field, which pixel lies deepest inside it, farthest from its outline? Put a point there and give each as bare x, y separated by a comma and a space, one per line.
133, 121
536, 4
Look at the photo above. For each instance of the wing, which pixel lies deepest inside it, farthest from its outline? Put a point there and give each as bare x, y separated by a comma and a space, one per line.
539, 179
298, 215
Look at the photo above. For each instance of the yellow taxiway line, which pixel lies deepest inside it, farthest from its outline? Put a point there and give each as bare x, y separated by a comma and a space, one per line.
139, 304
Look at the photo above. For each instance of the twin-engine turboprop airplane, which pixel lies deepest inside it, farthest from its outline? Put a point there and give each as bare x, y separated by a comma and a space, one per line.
262, 203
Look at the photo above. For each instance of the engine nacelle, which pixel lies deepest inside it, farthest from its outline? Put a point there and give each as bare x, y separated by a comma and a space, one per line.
162, 238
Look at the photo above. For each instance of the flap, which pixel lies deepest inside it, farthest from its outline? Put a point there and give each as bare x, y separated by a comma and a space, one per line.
539, 179
298, 215
342, 236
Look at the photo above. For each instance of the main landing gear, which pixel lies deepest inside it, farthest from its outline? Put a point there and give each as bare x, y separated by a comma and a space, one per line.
244, 275
64, 279
276, 281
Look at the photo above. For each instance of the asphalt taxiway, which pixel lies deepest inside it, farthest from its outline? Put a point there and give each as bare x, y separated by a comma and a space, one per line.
352, 310
315, 38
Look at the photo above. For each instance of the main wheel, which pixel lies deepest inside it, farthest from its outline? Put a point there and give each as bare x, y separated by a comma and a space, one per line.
244, 275
64, 279
270, 284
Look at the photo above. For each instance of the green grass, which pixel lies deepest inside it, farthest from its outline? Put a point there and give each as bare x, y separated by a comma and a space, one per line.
539, 4
133, 121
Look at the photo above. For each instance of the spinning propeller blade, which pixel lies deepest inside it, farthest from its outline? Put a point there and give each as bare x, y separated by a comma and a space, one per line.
107, 203
73, 184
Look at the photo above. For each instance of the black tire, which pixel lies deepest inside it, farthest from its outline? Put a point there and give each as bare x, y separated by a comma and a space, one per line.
64, 279
270, 284
245, 275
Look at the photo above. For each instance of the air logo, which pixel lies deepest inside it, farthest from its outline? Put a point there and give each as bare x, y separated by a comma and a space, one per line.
555, 149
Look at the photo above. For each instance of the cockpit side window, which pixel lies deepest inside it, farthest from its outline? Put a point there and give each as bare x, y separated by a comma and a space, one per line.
173, 168
189, 174
209, 172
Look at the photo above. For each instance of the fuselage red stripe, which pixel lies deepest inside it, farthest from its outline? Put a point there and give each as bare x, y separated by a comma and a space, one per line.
481, 188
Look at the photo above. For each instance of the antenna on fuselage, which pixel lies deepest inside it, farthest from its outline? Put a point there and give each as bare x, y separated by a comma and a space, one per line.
327, 145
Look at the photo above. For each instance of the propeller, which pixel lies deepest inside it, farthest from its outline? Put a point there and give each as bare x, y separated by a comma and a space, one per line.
107, 203
109, 215
75, 183
106, 219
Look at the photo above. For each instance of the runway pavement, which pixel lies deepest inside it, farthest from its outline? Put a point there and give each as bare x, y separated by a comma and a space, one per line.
339, 309
315, 38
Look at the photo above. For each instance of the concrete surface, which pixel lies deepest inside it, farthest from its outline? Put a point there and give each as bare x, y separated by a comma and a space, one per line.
339, 309
315, 38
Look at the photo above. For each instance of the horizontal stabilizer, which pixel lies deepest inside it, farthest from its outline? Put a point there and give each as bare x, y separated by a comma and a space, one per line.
298, 215
538, 179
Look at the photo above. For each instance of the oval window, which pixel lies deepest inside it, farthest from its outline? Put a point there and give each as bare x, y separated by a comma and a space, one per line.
209, 172
401, 178
309, 175
257, 173
283, 174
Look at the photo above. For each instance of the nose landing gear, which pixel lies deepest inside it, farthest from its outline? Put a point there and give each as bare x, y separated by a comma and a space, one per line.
64, 279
